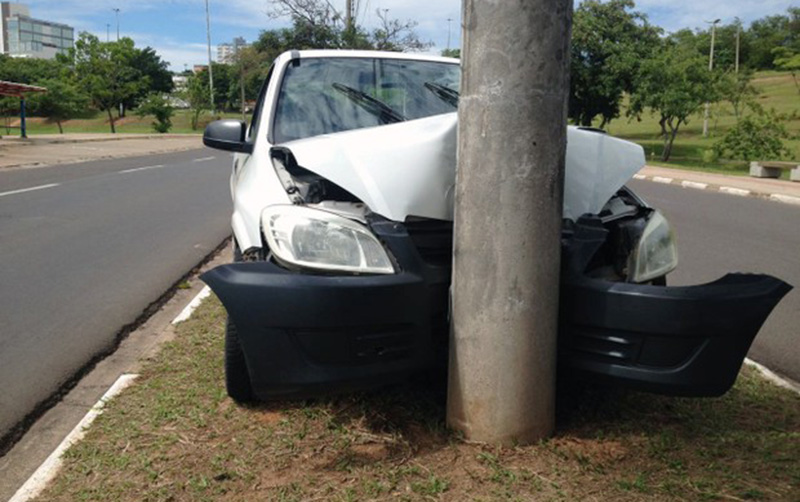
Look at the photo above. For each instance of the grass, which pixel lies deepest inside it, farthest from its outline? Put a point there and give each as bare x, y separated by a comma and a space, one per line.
776, 90
174, 435
98, 123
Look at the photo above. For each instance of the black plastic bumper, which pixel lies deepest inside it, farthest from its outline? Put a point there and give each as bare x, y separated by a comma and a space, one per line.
688, 341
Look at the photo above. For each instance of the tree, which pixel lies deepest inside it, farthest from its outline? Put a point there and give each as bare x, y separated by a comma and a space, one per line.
608, 43
316, 24
770, 32
196, 94
737, 90
675, 84
451, 53
788, 59
149, 64
248, 63
103, 71
158, 106
62, 101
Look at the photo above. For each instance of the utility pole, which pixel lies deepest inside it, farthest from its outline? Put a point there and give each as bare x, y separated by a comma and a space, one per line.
710, 68
738, 35
508, 214
348, 15
448, 33
116, 12
210, 66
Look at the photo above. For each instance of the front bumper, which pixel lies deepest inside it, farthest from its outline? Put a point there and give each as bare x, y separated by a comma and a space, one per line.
304, 334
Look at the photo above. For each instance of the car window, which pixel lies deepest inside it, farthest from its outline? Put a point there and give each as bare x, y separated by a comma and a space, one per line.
256, 120
328, 95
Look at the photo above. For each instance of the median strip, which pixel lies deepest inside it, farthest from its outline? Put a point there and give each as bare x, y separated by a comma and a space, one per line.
661, 179
176, 435
32, 189
735, 191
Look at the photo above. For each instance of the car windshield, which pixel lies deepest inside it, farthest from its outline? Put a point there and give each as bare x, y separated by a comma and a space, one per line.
328, 95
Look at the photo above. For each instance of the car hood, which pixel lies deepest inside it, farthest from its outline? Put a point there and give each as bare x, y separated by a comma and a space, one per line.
408, 169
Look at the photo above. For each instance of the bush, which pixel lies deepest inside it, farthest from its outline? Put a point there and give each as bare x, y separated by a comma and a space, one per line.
158, 106
757, 136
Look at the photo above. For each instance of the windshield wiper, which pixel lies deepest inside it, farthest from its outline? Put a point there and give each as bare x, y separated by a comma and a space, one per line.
370, 104
446, 94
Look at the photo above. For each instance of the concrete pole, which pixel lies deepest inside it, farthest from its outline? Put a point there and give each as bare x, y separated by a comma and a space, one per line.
508, 211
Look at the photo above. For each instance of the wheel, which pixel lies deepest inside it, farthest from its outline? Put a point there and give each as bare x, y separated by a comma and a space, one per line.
237, 379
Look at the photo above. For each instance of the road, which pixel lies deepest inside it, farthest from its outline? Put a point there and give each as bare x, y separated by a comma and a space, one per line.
86, 248
719, 233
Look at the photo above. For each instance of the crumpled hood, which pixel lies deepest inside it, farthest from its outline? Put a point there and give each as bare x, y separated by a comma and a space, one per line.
408, 168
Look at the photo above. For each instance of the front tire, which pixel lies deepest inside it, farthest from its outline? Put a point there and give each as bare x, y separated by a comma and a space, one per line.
237, 378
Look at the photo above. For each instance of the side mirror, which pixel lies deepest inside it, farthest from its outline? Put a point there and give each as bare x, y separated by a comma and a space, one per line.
228, 134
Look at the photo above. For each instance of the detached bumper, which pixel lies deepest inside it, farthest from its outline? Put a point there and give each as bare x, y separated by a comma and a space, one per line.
304, 335
687, 341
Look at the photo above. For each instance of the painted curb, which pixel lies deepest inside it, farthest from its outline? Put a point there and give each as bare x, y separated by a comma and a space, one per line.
740, 192
187, 311
49, 468
773, 377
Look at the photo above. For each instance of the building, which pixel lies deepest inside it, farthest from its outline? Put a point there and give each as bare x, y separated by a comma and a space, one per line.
226, 53
23, 36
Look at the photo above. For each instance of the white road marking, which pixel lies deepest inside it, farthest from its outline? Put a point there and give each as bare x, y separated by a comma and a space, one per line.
735, 191
694, 184
788, 199
48, 470
186, 313
772, 377
639, 177
661, 179
23, 190
204, 159
142, 168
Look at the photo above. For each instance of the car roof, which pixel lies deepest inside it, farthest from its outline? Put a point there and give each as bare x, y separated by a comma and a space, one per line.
343, 53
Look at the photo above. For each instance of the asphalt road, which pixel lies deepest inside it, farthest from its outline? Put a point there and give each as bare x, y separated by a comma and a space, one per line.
86, 248
720, 233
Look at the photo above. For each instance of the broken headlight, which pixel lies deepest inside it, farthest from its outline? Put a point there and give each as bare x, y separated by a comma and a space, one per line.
310, 238
656, 254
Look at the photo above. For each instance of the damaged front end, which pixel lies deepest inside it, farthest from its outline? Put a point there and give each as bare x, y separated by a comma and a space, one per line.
340, 297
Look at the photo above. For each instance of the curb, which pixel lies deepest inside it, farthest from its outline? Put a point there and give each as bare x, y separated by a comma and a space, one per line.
773, 377
739, 192
49, 468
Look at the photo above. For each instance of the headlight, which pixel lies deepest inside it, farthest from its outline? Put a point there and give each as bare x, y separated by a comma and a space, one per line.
656, 254
317, 239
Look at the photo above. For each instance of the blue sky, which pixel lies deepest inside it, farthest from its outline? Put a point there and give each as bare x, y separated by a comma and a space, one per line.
176, 28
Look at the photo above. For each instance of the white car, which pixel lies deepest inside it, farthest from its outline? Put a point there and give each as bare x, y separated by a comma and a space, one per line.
342, 190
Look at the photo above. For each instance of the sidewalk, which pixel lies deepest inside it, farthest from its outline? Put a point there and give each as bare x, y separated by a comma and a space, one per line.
51, 149
776, 189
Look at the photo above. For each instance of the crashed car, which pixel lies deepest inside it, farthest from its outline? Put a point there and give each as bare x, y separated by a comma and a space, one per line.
342, 189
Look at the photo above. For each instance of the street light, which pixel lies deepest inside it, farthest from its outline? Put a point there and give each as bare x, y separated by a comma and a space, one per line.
710, 68
116, 12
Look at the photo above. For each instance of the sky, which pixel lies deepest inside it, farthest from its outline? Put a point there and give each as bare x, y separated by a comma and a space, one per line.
177, 28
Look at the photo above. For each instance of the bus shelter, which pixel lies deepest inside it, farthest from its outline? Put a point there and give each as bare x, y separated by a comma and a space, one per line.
16, 90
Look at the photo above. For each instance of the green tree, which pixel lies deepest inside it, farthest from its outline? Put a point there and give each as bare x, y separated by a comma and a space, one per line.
103, 71
789, 60
451, 53
148, 64
196, 94
674, 84
737, 90
62, 101
609, 41
158, 106
249, 67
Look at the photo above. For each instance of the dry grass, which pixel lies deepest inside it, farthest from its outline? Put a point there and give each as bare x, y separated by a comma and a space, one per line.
175, 436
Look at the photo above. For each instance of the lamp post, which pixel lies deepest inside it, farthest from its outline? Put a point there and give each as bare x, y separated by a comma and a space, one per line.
710, 68
116, 13
448, 33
